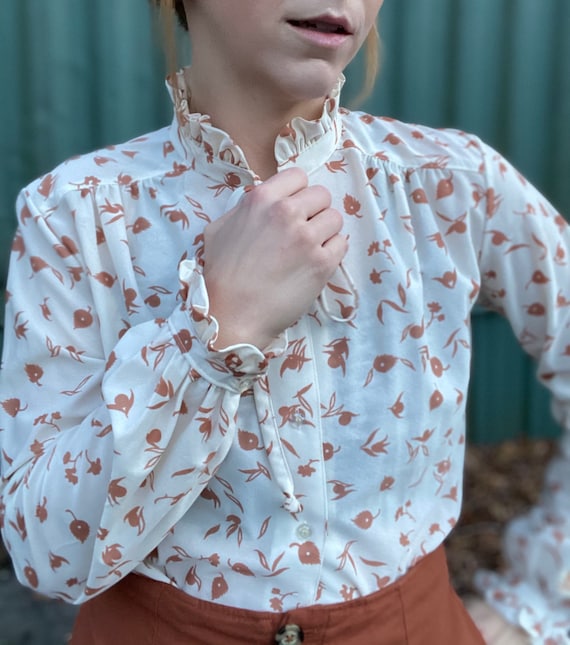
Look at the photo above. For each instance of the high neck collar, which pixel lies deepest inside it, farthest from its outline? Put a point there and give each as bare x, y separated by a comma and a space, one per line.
212, 152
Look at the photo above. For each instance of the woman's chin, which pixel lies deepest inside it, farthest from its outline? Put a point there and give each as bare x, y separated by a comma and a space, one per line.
310, 78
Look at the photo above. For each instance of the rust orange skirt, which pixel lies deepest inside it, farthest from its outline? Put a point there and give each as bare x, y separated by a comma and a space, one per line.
419, 609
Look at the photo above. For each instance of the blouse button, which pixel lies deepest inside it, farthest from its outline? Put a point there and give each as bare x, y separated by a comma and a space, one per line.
304, 531
298, 418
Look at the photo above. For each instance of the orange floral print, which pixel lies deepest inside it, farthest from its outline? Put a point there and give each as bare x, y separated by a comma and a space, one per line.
130, 443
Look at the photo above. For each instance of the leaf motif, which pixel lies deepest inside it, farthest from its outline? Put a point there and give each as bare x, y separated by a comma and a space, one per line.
160, 353
106, 430
516, 247
162, 290
224, 483
181, 551
395, 306
262, 559
186, 471
225, 417
451, 338
151, 463
277, 561
211, 531
193, 202
303, 401
235, 500
373, 563
290, 447
264, 527
218, 367
380, 313
408, 363
53, 349
337, 289
157, 406
276, 573
304, 390
78, 388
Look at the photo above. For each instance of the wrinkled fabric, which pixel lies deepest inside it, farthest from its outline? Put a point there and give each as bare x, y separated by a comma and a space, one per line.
313, 471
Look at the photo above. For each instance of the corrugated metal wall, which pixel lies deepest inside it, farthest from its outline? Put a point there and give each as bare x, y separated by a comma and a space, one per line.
76, 75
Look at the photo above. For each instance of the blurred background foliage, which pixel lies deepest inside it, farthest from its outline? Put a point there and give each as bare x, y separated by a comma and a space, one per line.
80, 75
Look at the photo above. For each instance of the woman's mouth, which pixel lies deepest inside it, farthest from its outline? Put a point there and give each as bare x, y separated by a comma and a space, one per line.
324, 32
320, 26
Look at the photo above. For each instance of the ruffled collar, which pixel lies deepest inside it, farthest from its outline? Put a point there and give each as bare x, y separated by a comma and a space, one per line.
211, 151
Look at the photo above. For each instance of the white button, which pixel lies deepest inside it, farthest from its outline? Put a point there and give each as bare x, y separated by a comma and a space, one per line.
298, 418
304, 531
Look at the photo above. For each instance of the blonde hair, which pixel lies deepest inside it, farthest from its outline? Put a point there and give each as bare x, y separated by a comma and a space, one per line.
169, 9
173, 10
372, 55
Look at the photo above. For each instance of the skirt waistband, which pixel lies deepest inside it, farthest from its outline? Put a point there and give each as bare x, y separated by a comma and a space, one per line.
419, 608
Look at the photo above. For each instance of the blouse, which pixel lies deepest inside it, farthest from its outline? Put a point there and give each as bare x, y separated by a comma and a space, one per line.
318, 469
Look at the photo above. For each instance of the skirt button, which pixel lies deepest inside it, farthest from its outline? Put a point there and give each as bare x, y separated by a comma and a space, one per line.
289, 635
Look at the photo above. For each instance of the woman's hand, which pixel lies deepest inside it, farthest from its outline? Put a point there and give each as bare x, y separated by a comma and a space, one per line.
266, 260
493, 627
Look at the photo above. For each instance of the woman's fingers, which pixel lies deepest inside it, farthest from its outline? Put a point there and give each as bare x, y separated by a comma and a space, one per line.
288, 230
310, 201
325, 225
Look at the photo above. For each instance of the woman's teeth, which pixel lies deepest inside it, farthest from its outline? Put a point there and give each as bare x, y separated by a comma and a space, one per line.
325, 27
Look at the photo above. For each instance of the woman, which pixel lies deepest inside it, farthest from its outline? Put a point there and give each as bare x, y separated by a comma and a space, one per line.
234, 387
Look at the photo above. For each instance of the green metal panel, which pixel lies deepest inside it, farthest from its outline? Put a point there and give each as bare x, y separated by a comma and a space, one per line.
80, 75
75, 76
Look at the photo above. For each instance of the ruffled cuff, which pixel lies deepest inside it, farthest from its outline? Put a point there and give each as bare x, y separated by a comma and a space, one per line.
545, 620
195, 330
535, 591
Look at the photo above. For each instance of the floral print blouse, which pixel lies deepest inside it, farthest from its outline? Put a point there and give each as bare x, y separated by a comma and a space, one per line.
318, 469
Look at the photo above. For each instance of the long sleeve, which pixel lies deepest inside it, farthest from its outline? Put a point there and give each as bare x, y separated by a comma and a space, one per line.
103, 447
526, 276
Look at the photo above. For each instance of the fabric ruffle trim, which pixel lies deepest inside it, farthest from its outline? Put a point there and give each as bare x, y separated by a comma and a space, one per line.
217, 145
534, 593
195, 331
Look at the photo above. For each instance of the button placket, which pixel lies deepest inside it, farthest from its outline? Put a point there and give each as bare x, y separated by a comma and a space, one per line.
294, 403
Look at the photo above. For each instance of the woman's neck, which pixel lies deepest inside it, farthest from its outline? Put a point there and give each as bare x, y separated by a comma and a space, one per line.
253, 120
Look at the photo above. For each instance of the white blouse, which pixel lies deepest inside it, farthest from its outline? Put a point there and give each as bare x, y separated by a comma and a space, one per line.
319, 469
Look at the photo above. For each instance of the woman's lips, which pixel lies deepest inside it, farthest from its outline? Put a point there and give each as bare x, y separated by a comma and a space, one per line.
322, 31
